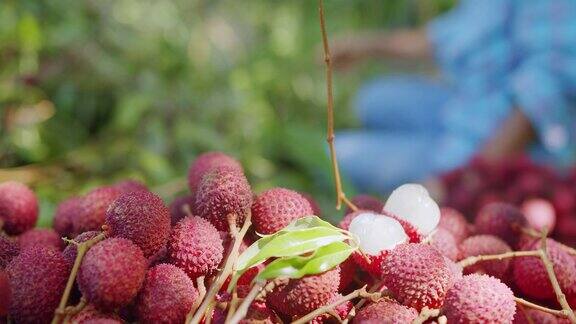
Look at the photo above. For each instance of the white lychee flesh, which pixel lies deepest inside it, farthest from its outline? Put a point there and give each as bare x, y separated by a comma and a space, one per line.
376, 233
412, 203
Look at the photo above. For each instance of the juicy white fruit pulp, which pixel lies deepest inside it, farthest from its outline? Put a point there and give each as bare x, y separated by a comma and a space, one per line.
412, 203
375, 232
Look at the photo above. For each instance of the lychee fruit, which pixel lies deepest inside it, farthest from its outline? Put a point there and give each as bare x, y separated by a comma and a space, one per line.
275, 208
180, 208
90, 313
417, 275
111, 273
4, 293
223, 191
385, 311
412, 203
486, 245
479, 299
8, 250
313, 203
207, 161
259, 313
539, 214
411, 231
64, 215
341, 310
347, 272
502, 220
454, 222
299, 297
70, 251
445, 243
141, 217
166, 295
536, 316
93, 209
456, 269
366, 202
196, 247
37, 277
40, 237
530, 275
129, 186
18, 208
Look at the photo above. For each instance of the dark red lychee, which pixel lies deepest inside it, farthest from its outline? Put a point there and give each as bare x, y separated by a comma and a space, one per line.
37, 277
486, 245
502, 220
64, 215
8, 250
367, 202
141, 217
4, 293
129, 186
207, 161
90, 314
111, 273
18, 208
180, 208
93, 209
385, 311
454, 222
275, 208
40, 237
445, 243
223, 191
70, 251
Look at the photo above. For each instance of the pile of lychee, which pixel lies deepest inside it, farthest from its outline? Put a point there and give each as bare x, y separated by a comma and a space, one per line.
149, 262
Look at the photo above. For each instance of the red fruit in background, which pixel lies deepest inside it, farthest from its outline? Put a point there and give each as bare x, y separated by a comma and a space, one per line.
536, 316
454, 222
93, 209
566, 229
486, 245
70, 251
313, 203
564, 199
502, 220
8, 250
275, 208
204, 163
181, 207
40, 237
539, 214
4, 293
445, 243
64, 215
341, 310
129, 186
90, 314
366, 202
18, 207
385, 311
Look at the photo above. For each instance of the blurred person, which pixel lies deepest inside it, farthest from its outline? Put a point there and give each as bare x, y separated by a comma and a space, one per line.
507, 84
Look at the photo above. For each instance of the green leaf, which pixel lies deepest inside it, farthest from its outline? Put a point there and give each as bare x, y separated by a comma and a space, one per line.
307, 222
323, 259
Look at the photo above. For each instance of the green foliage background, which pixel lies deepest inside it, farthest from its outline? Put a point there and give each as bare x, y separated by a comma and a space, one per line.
99, 90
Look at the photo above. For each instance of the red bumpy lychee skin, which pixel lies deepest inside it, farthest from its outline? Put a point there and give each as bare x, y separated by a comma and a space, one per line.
299, 297
166, 295
90, 314
111, 273
479, 299
64, 215
454, 222
445, 243
18, 207
4, 293
275, 208
417, 275
141, 217
341, 310
195, 246
385, 311
93, 209
180, 208
37, 279
70, 251
8, 250
223, 191
366, 202
531, 277
502, 220
486, 245
204, 163
40, 237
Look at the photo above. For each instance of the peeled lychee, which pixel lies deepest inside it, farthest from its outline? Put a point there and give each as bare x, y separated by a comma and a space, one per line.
141, 217
180, 208
40, 237
367, 202
18, 208
454, 222
89, 314
502, 220
386, 312
223, 191
166, 295
486, 245
93, 209
479, 299
299, 297
111, 273
539, 214
195, 246
207, 161
445, 243
530, 275
275, 208
417, 275
64, 215
8, 250
70, 251
412, 203
37, 276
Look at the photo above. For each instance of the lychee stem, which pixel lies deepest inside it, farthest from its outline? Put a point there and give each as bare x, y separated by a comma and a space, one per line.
526, 303
224, 273
377, 287
425, 314
201, 293
233, 305
81, 249
73, 310
259, 290
478, 258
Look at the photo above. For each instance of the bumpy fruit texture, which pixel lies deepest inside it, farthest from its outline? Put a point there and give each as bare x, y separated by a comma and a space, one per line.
90, 314
180, 208
530, 275
341, 310
412, 203
4, 293
486, 245
64, 215
445, 243
539, 214
93, 209
8, 250
141, 217
275, 208
223, 191
111, 273
40, 237
479, 299
129, 186
70, 251
502, 220
418, 275
367, 202
299, 297
385, 311
259, 313
196, 247
204, 163
37, 279
18, 207
166, 296
454, 222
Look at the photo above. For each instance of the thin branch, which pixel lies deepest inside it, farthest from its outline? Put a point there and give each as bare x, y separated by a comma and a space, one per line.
478, 258
377, 287
425, 314
201, 294
254, 292
556, 312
